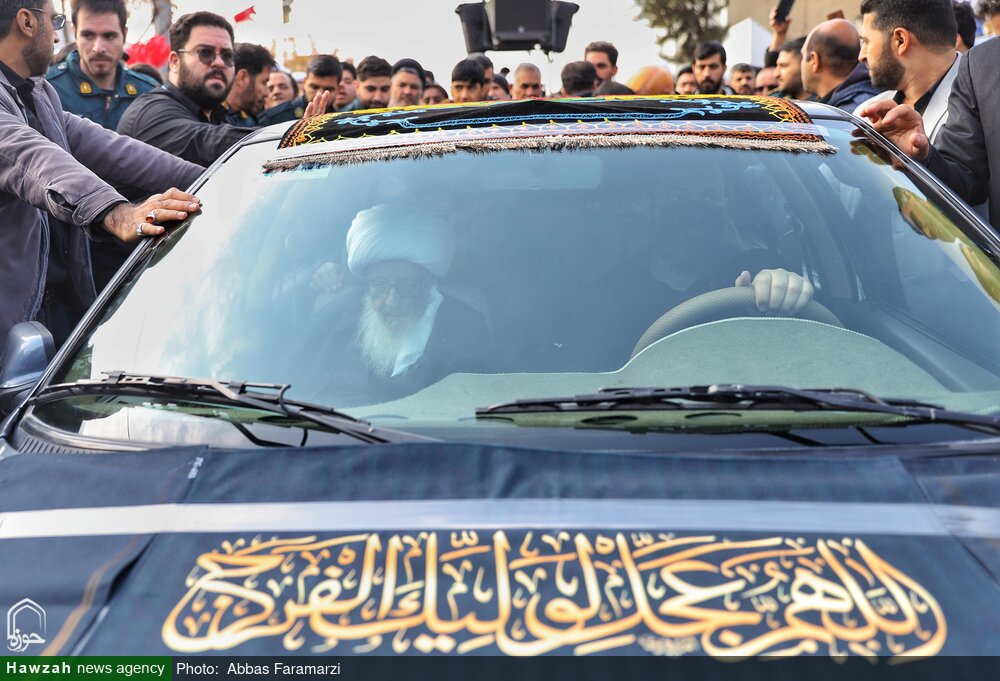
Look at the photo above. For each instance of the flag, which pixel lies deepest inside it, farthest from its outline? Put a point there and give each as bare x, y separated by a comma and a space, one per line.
154, 51
245, 15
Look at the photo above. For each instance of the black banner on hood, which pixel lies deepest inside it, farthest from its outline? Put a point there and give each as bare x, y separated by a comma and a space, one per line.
445, 549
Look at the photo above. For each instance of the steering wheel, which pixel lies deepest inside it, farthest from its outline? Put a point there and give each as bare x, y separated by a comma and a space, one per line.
736, 301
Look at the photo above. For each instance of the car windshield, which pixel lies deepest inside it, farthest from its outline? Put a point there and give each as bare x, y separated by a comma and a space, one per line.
411, 291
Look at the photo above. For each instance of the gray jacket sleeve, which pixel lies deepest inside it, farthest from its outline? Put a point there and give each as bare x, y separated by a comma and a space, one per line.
959, 156
42, 174
122, 160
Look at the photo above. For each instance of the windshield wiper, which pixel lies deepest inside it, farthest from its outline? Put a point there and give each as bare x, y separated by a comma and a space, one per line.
761, 397
268, 397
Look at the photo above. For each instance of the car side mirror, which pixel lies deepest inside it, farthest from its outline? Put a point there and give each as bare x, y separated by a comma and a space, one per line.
27, 351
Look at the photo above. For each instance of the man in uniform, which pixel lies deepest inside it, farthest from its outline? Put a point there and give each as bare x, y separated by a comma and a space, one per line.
92, 82
247, 98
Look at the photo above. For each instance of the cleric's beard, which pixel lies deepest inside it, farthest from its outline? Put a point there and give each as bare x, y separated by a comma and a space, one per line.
380, 343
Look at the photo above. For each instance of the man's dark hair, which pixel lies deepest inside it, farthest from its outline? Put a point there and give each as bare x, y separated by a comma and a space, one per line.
687, 69
578, 78
483, 60
253, 58
612, 88
291, 80
350, 68
794, 46
374, 67
180, 31
710, 49
325, 66
502, 82
100, 7
469, 71
743, 68
436, 86
147, 70
965, 20
984, 10
841, 57
931, 21
9, 10
604, 47
410, 66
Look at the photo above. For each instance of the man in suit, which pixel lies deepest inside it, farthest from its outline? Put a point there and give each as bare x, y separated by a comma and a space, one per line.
909, 46
967, 147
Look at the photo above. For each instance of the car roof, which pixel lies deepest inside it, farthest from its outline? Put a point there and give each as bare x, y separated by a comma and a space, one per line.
735, 120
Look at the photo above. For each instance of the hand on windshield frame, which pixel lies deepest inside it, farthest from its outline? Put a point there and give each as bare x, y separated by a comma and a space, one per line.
778, 291
132, 221
901, 124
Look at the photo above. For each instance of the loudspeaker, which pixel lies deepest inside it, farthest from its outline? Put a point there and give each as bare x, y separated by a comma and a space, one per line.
522, 21
475, 26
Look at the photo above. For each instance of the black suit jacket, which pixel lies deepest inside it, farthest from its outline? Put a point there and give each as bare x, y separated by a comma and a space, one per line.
968, 146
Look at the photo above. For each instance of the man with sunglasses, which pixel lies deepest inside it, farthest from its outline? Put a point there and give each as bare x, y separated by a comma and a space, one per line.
55, 170
92, 82
186, 117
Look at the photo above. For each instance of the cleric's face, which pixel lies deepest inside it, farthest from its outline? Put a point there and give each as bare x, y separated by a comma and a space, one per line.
398, 292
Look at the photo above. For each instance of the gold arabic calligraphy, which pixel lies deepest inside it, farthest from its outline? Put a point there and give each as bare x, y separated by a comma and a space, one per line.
529, 593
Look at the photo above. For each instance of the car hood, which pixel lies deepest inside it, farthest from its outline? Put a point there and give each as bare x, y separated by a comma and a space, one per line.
450, 548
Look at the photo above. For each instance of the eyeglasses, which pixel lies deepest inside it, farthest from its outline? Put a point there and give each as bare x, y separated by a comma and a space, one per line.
405, 288
58, 20
207, 55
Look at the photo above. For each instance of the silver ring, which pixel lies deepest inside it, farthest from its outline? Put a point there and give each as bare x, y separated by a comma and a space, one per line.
138, 229
151, 216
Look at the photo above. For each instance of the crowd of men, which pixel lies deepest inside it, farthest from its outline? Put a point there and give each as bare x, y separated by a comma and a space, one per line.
82, 189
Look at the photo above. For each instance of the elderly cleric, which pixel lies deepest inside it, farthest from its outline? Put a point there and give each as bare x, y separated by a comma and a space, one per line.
397, 332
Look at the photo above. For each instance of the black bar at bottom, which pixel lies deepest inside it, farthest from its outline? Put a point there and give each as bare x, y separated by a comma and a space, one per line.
605, 668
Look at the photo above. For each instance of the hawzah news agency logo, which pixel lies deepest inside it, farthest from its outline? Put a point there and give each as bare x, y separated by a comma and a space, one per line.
25, 625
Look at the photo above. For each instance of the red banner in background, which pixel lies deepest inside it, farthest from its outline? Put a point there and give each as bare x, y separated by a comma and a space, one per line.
154, 51
245, 15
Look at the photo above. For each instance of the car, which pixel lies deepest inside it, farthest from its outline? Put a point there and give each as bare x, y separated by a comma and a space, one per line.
668, 376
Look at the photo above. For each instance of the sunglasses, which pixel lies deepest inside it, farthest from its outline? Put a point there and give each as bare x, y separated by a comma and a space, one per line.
207, 55
58, 20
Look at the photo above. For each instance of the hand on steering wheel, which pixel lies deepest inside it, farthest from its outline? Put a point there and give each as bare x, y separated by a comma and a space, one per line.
778, 291
741, 301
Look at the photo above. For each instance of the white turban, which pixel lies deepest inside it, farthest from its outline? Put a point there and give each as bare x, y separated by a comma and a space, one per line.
386, 232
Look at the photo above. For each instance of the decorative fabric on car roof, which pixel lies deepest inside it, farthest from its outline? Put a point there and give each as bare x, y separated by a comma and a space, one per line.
749, 123
534, 112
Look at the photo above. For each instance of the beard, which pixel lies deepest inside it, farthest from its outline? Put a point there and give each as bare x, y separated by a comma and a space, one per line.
38, 53
888, 72
195, 89
380, 342
709, 86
